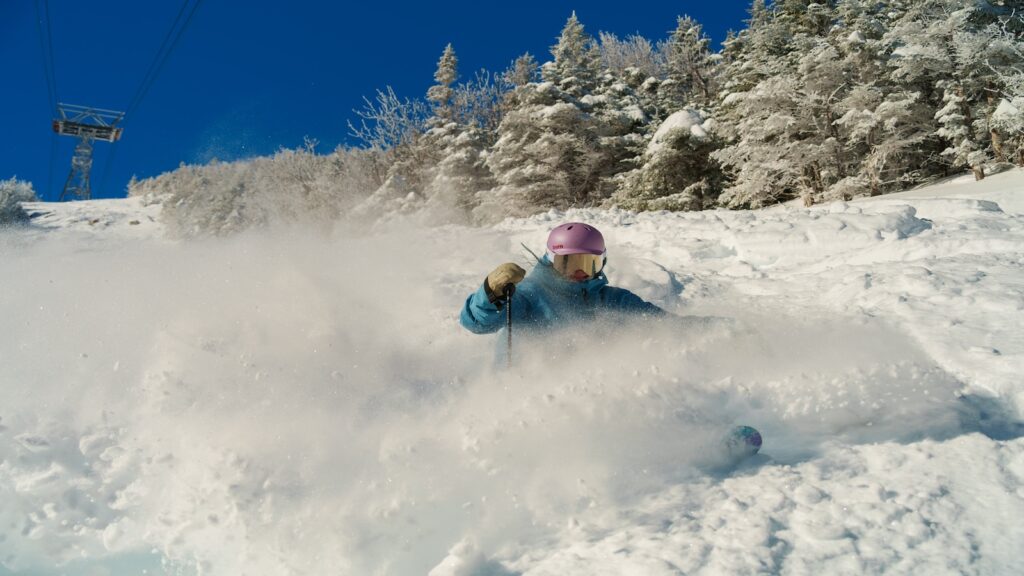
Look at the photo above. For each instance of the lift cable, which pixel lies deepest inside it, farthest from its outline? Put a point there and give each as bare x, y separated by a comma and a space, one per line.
46, 45
46, 49
162, 55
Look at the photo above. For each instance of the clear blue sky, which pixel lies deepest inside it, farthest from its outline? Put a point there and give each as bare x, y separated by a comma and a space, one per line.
251, 76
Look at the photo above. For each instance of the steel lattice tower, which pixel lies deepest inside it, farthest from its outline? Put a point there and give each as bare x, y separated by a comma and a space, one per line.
86, 124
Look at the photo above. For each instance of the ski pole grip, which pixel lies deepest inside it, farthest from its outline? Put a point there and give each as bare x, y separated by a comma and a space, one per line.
508, 291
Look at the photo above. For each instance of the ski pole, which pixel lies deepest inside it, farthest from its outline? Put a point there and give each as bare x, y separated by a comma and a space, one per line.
509, 290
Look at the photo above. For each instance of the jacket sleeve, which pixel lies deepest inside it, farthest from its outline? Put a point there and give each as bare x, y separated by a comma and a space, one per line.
484, 314
622, 300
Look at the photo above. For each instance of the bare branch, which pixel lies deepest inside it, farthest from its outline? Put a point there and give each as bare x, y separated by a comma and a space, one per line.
388, 121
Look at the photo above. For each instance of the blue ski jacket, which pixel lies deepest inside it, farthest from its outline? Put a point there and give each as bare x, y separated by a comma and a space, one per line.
545, 299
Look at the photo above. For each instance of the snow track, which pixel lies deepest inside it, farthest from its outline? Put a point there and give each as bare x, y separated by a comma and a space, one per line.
290, 404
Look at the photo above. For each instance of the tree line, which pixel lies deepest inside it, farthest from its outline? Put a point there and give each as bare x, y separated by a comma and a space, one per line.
818, 101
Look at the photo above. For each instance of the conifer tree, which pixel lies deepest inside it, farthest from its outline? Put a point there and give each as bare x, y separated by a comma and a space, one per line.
462, 173
690, 65
618, 122
440, 95
542, 158
759, 14
779, 111
577, 60
522, 71
676, 171
453, 149
948, 52
548, 151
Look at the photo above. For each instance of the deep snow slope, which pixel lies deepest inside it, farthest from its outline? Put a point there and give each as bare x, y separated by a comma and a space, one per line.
293, 404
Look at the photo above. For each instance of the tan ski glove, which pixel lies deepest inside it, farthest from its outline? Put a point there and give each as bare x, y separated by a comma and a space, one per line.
502, 276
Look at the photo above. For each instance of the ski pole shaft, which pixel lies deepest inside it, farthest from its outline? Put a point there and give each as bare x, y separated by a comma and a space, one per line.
509, 290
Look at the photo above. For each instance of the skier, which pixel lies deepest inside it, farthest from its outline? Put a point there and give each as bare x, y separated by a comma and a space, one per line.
568, 283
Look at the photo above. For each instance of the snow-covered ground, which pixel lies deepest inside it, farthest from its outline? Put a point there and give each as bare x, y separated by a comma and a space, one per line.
104, 219
294, 404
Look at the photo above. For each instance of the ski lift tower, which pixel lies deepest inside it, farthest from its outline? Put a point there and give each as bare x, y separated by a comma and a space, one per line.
86, 124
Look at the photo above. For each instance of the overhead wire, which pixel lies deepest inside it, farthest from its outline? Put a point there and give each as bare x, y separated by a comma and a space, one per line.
46, 48
156, 58
163, 53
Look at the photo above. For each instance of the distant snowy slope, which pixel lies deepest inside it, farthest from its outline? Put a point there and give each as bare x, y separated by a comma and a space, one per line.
123, 218
1005, 189
301, 404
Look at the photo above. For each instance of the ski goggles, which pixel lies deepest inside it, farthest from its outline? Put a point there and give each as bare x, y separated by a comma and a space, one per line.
569, 264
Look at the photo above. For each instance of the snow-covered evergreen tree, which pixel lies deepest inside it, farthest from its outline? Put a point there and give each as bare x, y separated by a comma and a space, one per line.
452, 151
782, 141
766, 126
547, 153
740, 51
543, 157
690, 66
440, 95
462, 173
416, 135
950, 52
883, 128
618, 118
958, 126
887, 134
677, 172
523, 70
831, 100
1007, 120
577, 61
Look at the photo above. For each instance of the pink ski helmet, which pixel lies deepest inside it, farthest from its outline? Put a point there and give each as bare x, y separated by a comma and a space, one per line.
576, 238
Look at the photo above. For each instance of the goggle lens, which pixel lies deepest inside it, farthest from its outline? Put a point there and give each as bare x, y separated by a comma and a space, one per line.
569, 264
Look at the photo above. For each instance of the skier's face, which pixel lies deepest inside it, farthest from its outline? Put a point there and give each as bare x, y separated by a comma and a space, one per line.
578, 267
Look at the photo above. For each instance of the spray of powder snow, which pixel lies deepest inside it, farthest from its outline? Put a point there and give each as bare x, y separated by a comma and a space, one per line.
279, 405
